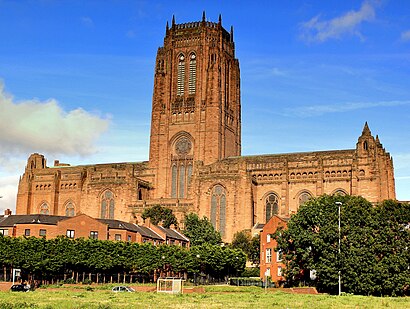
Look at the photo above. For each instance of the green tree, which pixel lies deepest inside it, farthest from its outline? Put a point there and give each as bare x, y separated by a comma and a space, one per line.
374, 256
250, 245
159, 214
200, 231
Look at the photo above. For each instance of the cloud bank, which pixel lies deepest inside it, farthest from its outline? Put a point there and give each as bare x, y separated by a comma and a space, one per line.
316, 30
34, 126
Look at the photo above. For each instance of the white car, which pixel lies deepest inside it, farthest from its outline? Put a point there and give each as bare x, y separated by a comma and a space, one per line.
122, 289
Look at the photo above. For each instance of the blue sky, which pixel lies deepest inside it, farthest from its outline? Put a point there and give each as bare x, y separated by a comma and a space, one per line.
76, 77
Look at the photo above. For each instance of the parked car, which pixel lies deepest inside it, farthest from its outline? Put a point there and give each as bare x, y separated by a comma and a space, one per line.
20, 288
122, 289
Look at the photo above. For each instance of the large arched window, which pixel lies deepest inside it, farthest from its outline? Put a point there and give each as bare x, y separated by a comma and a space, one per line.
181, 75
44, 209
340, 192
181, 167
304, 197
192, 74
107, 205
218, 208
69, 209
271, 206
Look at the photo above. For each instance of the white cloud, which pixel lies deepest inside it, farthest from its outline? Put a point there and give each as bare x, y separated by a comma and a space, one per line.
87, 21
8, 191
405, 36
34, 126
318, 110
316, 30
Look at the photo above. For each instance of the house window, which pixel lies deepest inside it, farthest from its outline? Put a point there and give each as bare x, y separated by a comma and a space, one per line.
42, 232
27, 232
268, 238
271, 206
117, 236
218, 208
269, 255
70, 233
279, 256
107, 205
69, 209
267, 272
4, 232
94, 235
129, 237
44, 210
279, 271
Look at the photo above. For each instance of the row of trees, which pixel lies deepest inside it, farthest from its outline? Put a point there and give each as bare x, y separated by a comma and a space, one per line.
374, 256
48, 259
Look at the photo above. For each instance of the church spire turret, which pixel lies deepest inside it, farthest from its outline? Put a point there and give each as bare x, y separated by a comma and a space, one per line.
366, 130
203, 17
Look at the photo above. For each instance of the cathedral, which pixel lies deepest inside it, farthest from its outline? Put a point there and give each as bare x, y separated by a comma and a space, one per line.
195, 163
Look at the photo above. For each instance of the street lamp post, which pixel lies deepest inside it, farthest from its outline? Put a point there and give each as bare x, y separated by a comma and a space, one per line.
339, 204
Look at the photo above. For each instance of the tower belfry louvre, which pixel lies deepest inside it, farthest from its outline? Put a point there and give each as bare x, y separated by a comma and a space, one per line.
196, 103
195, 162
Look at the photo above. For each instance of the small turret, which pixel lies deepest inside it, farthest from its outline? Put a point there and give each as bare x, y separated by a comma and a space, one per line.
203, 17
366, 130
366, 142
36, 161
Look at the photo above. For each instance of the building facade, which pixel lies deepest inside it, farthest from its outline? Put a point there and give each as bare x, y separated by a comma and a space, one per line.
195, 162
271, 260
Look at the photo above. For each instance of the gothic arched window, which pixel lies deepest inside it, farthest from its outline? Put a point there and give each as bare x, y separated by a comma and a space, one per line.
340, 192
181, 167
181, 75
304, 197
69, 209
192, 74
107, 205
218, 209
271, 206
44, 209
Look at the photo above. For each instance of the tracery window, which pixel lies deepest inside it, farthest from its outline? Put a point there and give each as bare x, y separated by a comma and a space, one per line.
218, 209
44, 209
340, 192
107, 205
69, 209
192, 74
181, 168
181, 75
271, 206
304, 197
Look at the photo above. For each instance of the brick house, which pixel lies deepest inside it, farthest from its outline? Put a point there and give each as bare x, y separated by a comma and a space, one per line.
271, 264
82, 225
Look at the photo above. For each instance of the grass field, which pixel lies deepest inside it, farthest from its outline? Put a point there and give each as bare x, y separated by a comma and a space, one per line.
214, 297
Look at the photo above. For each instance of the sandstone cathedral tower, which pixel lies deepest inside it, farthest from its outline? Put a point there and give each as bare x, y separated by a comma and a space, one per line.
195, 162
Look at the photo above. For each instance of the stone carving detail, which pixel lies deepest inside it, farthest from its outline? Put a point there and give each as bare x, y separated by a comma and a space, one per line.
183, 146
